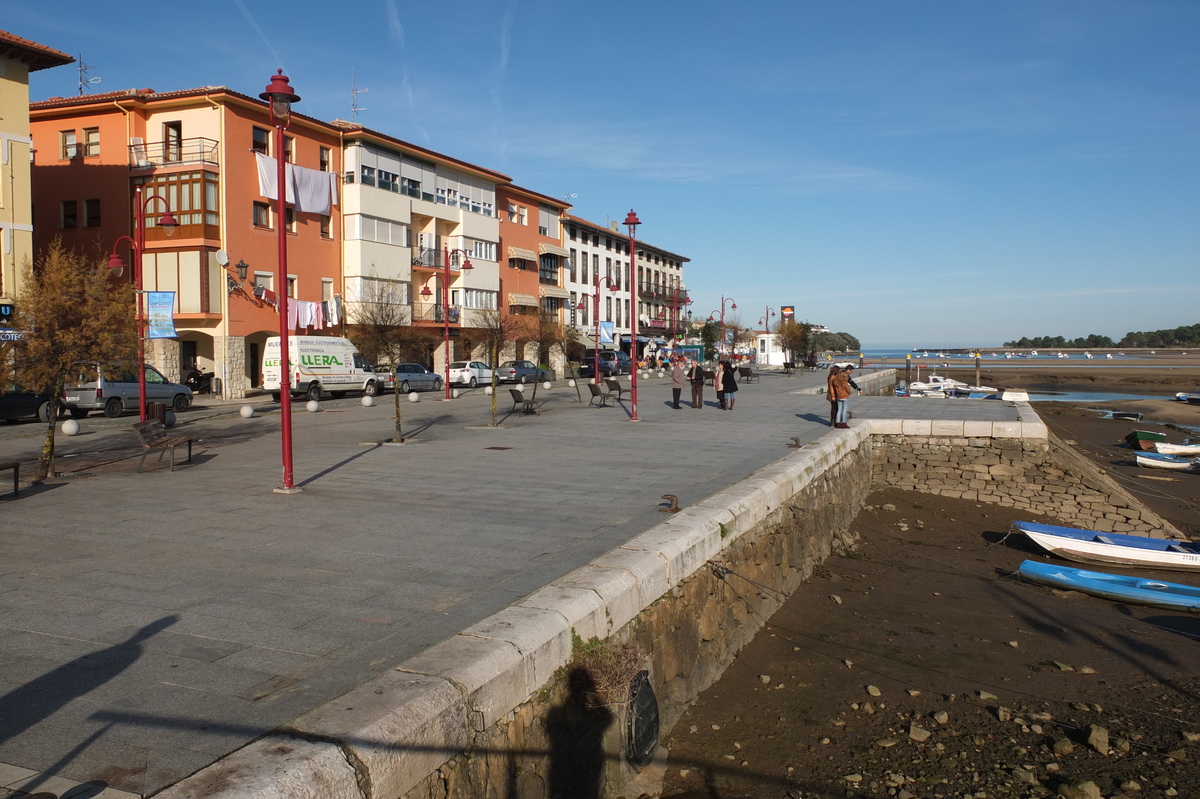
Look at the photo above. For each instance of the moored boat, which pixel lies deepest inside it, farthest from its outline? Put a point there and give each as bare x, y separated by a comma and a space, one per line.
1157, 460
1177, 449
1013, 395
1117, 549
1144, 439
1128, 416
1118, 587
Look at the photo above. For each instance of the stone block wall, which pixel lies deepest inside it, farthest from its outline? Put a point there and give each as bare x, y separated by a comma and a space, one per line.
1019, 466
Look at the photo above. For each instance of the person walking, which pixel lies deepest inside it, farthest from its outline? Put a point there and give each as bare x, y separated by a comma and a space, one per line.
695, 376
730, 386
834, 371
677, 380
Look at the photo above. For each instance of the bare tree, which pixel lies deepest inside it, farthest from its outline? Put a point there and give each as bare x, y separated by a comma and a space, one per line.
380, 326
493, 331
72, 317
544, 331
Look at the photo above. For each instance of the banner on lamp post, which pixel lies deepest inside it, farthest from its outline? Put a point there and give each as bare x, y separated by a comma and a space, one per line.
160, 314
606, 333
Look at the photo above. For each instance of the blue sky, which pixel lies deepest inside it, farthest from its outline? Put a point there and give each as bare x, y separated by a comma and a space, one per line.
913, 173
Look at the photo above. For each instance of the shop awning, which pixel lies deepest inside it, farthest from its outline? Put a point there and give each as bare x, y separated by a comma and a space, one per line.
522, 299
554, 291
523, 254
553, 249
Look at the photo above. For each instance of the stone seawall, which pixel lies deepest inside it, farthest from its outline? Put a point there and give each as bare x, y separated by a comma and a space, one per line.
502, 709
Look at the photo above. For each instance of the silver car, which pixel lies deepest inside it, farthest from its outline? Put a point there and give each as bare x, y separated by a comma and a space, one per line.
415, 377
519, 372
95, 392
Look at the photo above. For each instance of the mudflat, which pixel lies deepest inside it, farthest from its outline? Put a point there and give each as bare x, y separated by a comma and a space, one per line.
920, 665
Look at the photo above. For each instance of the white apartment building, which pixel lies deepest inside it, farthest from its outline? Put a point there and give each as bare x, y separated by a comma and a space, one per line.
599, 277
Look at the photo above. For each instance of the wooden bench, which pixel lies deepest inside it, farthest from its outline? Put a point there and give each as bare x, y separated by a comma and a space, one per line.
15, 468
788, 367
527, 405
747, 374
710, 376
614, 386
154, 437
599, 394
810, 365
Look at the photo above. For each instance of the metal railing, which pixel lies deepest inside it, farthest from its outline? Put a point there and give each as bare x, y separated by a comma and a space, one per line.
151, 155
435, 312
435, 258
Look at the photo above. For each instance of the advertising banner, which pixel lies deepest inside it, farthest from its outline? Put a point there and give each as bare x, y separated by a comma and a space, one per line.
606, 333
160, 314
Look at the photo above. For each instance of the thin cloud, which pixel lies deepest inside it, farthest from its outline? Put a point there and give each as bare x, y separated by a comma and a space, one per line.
254, 24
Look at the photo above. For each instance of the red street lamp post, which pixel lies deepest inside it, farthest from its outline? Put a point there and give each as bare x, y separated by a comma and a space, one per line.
732, 307
608, 282
631, 223
280, 96
425, 292
168, 223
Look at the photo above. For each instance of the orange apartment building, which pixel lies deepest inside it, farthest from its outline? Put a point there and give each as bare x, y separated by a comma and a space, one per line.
533, 258
200, 150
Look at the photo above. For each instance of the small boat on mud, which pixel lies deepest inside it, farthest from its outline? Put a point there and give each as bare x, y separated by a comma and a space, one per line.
1114, 549
1157, 460
1144, 439
1183, 450
1126, 416
1117, 587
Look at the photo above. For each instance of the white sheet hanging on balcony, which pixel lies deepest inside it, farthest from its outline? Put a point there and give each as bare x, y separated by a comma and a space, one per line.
310, 190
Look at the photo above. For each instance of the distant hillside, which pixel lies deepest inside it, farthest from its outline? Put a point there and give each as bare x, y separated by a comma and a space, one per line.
836, 342
1186, 336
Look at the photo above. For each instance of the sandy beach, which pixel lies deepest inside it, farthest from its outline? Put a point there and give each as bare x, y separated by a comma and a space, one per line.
920, 666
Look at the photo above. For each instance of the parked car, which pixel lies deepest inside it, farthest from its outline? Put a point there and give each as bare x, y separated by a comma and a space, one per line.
519, 372
612, 363
95, 392
415, 377
16, 403
470, 373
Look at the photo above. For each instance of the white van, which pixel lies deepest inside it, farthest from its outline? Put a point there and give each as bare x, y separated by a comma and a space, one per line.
319, 363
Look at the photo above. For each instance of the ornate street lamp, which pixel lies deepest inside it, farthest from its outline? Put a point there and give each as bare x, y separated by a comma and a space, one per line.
611, 286
280, 96
631, 223
168, 223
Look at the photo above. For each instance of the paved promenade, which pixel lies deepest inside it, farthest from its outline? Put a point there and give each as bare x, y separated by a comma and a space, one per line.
154, 622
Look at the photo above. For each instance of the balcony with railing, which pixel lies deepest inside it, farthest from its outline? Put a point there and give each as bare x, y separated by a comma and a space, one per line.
433, 258
662, 291
435, 312
177, 152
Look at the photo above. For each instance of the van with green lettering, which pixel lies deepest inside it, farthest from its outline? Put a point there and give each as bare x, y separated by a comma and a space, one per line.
318, 364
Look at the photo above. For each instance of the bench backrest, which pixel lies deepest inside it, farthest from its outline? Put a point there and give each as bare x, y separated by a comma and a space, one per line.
150, 431
516, 395
595, 389
744, 371
613, 385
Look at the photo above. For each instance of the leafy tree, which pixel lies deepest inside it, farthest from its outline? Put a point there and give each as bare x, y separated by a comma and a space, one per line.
795, 338
380, 326
72, 316
836, 342
708, 337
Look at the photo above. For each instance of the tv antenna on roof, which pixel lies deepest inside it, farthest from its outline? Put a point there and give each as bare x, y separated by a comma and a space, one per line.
84, 79
354, 93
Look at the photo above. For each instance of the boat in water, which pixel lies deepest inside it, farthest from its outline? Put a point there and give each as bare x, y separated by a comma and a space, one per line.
1114, 549
1117, 587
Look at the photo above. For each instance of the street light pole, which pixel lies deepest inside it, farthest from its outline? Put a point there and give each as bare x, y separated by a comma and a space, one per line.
138, 243
446, 309
596, 318
280, 96
631, 223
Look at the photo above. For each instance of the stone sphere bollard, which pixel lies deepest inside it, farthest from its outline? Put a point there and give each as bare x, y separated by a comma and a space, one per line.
70, 427
414, 397
313, 406
169, 419
368, 401
487, 390
454, 393
247, 411
571, 383
546, 385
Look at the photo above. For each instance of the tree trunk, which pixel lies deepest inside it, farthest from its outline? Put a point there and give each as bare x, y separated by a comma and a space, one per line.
46, 462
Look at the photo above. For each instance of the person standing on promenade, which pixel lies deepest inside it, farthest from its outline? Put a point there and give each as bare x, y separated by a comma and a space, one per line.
842, 385
695, 376
718, 382
729, 384
834, 371
677, 380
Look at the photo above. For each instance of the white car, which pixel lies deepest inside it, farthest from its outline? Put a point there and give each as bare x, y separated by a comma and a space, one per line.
470, 373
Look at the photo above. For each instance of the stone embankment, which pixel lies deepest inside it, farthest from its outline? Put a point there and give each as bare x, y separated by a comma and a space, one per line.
507, 707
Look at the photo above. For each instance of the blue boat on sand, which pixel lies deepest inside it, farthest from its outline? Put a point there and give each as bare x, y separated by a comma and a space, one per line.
1117, 587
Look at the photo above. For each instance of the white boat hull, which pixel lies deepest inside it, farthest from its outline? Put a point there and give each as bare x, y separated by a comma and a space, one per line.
1182, 450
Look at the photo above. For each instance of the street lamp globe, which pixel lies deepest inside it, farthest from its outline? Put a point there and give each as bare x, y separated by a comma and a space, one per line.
279, 94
